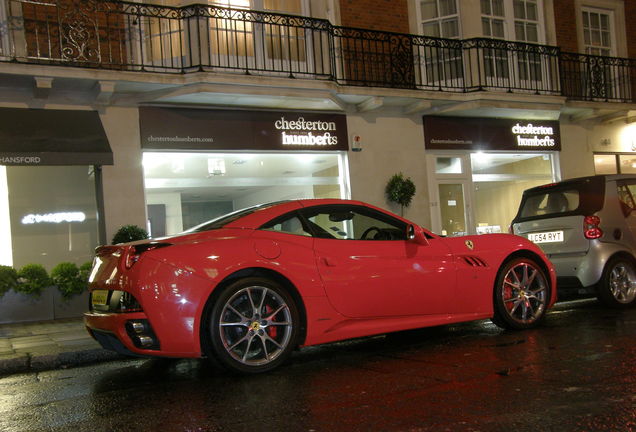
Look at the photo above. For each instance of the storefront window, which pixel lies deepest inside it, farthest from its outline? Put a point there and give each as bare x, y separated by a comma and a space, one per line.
49, 215
627, 164
605, 164
499, 180
186, 189
448, 165
613, 163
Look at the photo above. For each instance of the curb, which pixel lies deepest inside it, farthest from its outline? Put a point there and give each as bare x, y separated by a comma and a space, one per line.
26, 363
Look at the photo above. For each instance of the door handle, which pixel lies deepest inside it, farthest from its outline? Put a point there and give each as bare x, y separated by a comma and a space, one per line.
329, 262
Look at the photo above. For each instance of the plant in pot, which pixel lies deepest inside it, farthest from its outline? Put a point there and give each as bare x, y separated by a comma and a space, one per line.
32, 279
400, 190
69, 279
8, 279
129, 233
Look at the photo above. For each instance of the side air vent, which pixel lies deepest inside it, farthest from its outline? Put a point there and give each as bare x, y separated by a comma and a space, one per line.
474, 261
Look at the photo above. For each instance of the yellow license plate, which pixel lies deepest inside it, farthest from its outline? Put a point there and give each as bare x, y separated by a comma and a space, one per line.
99, 297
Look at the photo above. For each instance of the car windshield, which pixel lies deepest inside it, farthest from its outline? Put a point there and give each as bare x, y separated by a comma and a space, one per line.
221, 221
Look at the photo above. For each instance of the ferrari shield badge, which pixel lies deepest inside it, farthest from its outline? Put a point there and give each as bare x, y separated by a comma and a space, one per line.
469, 244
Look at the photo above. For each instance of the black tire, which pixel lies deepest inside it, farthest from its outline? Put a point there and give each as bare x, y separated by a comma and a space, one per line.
617, 287
252, 326
521, 294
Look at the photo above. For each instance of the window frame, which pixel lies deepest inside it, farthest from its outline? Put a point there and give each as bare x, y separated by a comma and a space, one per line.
585, 48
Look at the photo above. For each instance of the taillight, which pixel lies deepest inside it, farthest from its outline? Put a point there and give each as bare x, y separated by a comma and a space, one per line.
591, 229
133, 252
131, 258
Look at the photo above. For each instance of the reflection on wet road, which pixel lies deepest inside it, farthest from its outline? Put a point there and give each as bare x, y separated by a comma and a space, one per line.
576, 372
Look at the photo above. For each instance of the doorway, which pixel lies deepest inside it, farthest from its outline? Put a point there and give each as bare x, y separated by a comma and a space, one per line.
479, 192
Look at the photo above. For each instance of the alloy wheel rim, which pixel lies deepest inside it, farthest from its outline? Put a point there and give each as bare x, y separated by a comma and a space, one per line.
622, 283
255, 326
524, 293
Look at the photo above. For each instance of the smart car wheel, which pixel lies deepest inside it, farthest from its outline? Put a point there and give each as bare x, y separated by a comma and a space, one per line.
521, 294
617, 287
253, 325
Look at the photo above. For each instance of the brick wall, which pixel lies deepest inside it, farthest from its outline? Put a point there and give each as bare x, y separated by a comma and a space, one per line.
565, 23
630, 19
72, 30
385, 15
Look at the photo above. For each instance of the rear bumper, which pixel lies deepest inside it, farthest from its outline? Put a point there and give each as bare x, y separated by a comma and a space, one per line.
115, 332
584, 270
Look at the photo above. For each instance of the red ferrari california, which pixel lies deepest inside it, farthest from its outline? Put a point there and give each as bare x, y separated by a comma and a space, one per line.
251, 286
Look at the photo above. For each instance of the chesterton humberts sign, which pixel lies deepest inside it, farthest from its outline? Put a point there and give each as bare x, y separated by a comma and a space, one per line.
534, 136
458, 133
165, 129
306, 133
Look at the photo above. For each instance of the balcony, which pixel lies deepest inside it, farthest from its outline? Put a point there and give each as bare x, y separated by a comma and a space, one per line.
122, 36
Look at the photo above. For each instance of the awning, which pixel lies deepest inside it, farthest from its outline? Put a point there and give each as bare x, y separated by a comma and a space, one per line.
52, 137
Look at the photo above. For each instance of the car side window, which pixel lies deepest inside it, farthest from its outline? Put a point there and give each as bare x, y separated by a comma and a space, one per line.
347, 222
289, 224
626, 197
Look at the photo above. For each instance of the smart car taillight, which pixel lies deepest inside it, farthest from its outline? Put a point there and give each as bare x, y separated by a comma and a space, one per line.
591, 229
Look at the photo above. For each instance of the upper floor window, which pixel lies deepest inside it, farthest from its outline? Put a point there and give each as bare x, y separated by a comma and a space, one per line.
439, 18
526, 19
493, 18
517, 20
598, 31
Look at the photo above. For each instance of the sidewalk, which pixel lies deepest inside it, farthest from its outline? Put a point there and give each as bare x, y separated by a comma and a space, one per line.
37, 346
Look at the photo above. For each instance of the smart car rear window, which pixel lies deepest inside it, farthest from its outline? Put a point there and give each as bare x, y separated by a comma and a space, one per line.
579, 196
551, 202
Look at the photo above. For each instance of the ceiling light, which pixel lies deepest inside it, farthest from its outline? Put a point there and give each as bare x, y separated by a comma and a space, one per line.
216, 167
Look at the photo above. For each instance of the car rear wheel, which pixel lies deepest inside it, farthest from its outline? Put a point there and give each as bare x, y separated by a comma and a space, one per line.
253, 325
617, 287
521, 294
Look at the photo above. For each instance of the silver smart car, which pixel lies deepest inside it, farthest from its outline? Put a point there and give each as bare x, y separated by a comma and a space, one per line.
587, 228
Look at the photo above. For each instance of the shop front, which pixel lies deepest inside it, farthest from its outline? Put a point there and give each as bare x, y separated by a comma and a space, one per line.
614, 149
199, 164
50, 186
478, 168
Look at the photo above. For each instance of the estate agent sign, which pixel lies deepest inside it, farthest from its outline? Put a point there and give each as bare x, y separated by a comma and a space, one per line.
199, 129
463, 133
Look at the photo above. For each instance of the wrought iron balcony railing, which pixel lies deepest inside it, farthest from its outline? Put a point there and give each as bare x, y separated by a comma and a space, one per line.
109, 34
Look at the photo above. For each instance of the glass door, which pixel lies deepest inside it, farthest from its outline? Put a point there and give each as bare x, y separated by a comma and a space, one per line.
452, 208
449, 188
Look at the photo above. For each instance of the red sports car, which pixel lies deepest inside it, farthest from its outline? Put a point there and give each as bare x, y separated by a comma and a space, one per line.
249, 287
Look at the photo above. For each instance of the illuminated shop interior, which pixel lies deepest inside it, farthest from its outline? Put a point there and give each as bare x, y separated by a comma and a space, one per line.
186, 189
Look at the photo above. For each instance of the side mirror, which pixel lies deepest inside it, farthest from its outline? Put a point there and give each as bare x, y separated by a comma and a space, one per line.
416, 235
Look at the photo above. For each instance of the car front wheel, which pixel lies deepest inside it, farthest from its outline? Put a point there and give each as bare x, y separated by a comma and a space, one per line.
253, 325
521, 294
617, 287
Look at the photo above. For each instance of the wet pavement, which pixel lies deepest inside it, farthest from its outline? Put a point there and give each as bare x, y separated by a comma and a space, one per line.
37, 346
575, 373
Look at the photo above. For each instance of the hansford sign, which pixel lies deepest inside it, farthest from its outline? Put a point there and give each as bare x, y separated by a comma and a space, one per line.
470, 133
199, 129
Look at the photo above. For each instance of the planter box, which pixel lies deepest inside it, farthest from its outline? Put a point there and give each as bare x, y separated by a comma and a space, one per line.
17, 307
71, 308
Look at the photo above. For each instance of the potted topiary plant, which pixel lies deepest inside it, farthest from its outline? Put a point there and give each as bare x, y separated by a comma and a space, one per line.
400, 190
32, 279
129, 233
66, 276
8, 279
